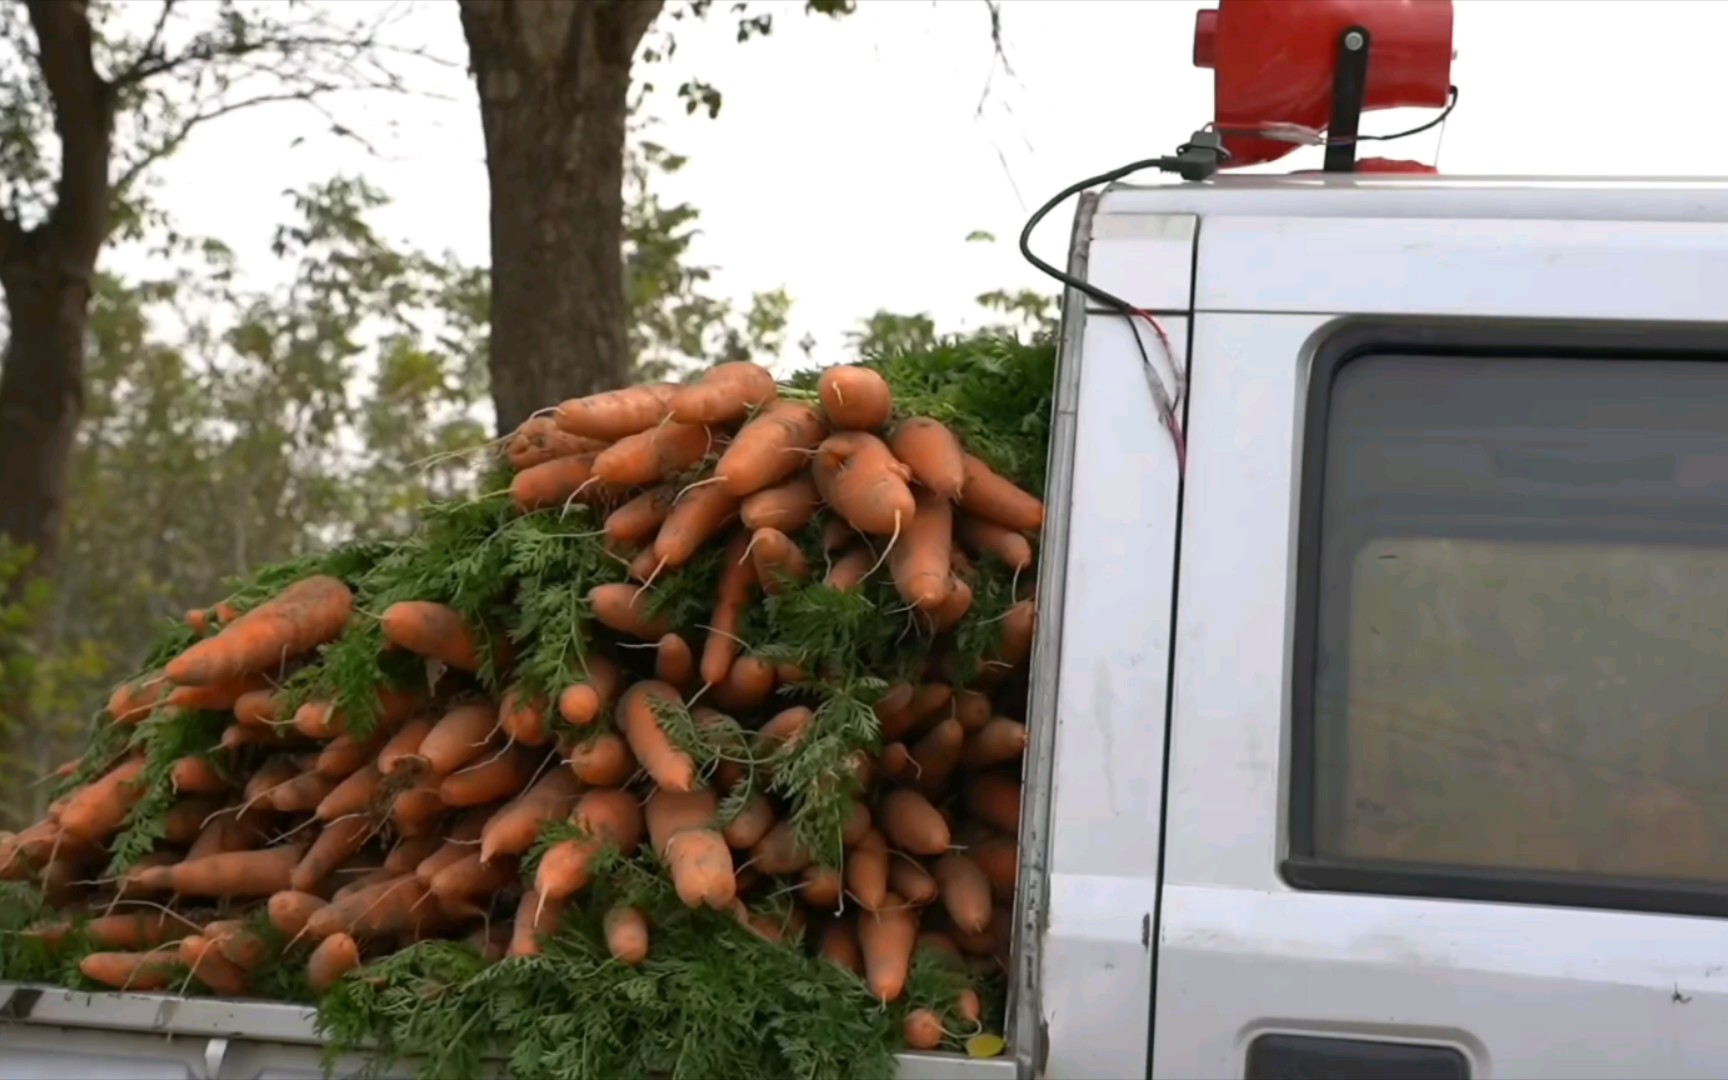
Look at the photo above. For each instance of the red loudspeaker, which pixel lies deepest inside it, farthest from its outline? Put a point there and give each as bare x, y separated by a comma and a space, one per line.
1275, 61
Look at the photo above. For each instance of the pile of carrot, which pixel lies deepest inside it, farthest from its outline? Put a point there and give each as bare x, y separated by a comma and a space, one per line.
477, 808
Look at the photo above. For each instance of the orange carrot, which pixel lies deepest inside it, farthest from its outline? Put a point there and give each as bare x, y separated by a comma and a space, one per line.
937, 753
334, 957
534, 920
452, 851
724, 394
194, 775
615, 413
988, 538
912, 824
627, 935
948, 614
513, 829
434, 631
606, 816
839, 945
538, 440
226, 833
210, 967
674, 663
489, 781
854, 397
965, 892
1018, 626
694, 520
886, 937
670, 767
582, 703
749, 685
352, 795
136, 971
96, 811
996, 743
301, 617
407, 855
523, 718
864, 482
770, 448
458, 738
415, 812
217, 697
893, 708
779, 735
779, 852
867, 872
921, 1030
636, 521
132, 933
821, 886
996, 499
624, 607
911, 881
650, 456
336, 844
787, 506
289, 911
130, 887
737, 582
937, 942
133, 701
848, 571
378, 910
344, 754
857, 825
603, 761
999, 858
645, 566
681, 826
919, 560
232, 873
995, 800
933, 454
923, 704
303, 793
779, 563
972, 709
552, 483
358, 878
469, 877
751, 824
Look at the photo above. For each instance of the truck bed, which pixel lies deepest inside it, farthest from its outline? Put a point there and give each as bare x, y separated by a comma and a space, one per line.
47, 1032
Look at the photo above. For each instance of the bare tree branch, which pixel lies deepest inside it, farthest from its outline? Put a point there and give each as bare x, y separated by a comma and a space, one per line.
152, 45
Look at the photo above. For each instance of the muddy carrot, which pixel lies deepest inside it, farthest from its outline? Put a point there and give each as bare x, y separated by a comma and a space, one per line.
737, 583
97, 811
636, 521
650, 456
770, 448
854, 397
724, 394
195, 775
513, 829
670, 767
334, 957
787, 506
523, 717
681, 826
301, 617
778, 562
613, 414
489, 781
603, 761
434, 631
625, 608
674, 663
336, 843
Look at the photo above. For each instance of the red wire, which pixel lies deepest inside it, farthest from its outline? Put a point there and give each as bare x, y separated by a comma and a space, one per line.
1167, 412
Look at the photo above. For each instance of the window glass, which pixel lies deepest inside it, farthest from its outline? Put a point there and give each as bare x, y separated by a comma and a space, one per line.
1523, 618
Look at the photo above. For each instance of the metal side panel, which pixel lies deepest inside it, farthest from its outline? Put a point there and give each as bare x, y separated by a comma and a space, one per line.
1146, 259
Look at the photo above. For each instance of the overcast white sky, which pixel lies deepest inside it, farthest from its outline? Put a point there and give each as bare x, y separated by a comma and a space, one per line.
851, 158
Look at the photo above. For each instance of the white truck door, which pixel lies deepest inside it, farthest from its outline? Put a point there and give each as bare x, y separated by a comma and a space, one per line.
1092, 818
1450, 708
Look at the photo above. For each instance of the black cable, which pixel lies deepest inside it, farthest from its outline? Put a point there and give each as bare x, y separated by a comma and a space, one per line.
1263, 133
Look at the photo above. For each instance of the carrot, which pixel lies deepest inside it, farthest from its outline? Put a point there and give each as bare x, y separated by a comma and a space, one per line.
513, 829
132, 933
674, 663
539, 439
996, 499
779, 563
551, 483
130, 887
937, 942
582, 703
498, 778
886, 937
968, 1006
194, 775
210, 967
998, 742
231, 873
770, 448
130, 970
217, 697
344, 754
534, 921
749, 685
948, 614
296, 620
900, 712
603, 761
96, 811
132, 702
839, 945
645, 566
648, 457
445, 746
451, 852
737, 582
415, 812
855, 398
237, 736
636, 521
912, 824
935, 755
910, 880
407, 855
867, 871
779, 735
919, 560
523, 718
288, 912
627, 935
378, 910
865, 483
965, 892
670, 767
750, 825
697, 517
469, 877
999, 858
434, 631
227, 833
1017, 629
972, 709
985, 537
921, 1030
933, 454
303, 793
848, 571
821, 886
724, 394
334, 957
779, 852
681, 826
323, 720
995, 800
615, 413
606, 816
358, 878
857, 825
352, 795
197, 620
336, 844
788, 506
624, 607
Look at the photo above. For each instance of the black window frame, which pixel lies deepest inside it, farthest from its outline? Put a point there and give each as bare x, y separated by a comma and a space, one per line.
1498, 340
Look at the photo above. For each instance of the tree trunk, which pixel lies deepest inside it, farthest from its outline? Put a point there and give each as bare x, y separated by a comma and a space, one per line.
554, 82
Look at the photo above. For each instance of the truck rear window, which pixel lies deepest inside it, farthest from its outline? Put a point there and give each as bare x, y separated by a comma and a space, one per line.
1520, 629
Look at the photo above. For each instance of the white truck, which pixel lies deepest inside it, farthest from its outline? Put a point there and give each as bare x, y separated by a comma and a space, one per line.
1382, 678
